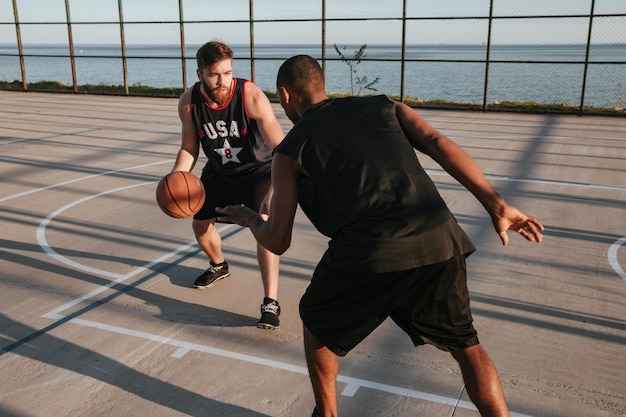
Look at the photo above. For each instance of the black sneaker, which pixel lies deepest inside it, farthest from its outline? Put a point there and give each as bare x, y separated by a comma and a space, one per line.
270, 310
212, 275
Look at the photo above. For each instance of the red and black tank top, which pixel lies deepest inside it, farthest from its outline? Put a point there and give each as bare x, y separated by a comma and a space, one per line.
229, 138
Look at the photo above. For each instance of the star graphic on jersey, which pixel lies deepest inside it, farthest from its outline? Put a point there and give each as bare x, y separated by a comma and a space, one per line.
228, 153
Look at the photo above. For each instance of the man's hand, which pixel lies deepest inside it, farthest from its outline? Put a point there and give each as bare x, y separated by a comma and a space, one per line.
510, 218
241, 215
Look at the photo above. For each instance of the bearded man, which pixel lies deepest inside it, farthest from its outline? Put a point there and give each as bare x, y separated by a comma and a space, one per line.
233, 122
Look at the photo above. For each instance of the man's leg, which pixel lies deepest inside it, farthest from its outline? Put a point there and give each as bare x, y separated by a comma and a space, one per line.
269, 264
481, 381
209, 239
323, 368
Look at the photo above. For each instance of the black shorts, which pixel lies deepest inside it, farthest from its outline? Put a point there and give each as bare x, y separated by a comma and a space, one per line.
248, 189
430, 303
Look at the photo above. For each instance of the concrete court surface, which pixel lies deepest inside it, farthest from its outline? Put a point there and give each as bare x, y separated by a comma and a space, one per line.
98, 317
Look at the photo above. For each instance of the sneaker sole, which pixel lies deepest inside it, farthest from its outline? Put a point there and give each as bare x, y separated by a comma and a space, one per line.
267, 326
203, 287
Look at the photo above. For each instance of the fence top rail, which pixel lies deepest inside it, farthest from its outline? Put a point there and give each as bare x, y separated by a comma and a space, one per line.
460, 60
319, 19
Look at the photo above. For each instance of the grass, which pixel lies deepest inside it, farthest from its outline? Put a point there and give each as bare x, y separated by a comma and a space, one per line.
96, 89
147, 91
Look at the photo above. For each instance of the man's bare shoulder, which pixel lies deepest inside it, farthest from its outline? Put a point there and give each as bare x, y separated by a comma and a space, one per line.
185, 97
253, 91
257, 103
184, 105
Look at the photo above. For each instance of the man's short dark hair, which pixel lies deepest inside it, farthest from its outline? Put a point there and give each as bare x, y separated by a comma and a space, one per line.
301, 73
212, 52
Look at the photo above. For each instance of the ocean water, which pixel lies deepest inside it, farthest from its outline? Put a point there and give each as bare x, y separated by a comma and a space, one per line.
539, 73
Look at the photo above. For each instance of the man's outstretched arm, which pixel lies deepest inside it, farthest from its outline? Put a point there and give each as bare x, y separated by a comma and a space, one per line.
465, 170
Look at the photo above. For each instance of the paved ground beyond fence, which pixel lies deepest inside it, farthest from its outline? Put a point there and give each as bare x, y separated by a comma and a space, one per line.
98, 317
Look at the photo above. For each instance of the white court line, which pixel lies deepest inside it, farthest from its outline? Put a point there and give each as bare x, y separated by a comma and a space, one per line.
352, 384
613, 250
542, 182
41, 235
36, 190
117, 278
612, 255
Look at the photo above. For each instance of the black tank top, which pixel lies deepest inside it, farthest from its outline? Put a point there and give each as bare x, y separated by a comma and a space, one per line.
367, 191
229, 138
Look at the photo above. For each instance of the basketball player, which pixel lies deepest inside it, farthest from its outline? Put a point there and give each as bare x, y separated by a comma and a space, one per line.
395, 250
232, 120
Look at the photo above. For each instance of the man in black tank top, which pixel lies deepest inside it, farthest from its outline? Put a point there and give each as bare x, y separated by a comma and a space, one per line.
233, 122
395, 249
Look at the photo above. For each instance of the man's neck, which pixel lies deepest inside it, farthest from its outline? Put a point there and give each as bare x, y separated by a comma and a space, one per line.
311, 101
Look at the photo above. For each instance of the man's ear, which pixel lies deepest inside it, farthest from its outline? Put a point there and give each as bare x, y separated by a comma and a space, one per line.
284, 94
199, 74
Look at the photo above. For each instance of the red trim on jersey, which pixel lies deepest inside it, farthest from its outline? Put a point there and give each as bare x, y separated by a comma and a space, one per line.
243, 97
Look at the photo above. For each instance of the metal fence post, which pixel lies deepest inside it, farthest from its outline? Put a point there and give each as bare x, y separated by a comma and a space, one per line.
488, 56
324, 38
251, 41
403, 52
182, 43
20, 49
71, 45
584, 86
123, 46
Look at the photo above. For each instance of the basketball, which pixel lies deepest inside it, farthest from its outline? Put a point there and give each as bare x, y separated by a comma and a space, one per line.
180, 194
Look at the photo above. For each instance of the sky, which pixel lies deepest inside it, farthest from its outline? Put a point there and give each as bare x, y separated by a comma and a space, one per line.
140, 15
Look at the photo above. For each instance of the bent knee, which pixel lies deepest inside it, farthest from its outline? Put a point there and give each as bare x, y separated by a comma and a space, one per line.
201, 227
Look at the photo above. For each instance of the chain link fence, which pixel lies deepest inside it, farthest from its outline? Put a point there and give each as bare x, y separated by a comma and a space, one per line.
480, 54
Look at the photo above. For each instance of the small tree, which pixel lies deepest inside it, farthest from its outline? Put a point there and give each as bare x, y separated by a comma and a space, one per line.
356, 59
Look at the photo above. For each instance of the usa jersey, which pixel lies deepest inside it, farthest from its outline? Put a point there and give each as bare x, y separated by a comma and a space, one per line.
229, 138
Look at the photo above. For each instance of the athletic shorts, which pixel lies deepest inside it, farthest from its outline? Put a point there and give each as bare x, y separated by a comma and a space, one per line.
249, 190
430, 303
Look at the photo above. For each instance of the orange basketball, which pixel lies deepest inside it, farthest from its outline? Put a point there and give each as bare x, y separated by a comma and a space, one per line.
180, 194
